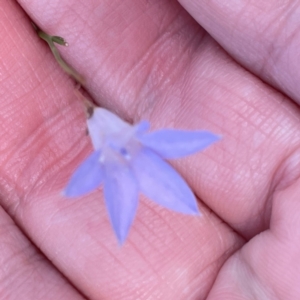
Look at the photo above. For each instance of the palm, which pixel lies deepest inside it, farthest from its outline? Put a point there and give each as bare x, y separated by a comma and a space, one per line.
147, 60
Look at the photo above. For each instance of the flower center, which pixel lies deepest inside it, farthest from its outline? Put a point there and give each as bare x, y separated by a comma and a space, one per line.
120, 147
123, 151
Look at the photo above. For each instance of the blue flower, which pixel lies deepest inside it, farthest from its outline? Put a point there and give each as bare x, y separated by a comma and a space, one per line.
129, 160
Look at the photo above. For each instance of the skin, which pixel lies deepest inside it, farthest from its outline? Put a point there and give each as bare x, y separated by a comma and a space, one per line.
152, 60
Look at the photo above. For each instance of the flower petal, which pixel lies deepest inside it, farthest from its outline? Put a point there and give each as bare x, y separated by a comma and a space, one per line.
103, 122
121, 197
86, 178
142, 127
162, 184
170, 143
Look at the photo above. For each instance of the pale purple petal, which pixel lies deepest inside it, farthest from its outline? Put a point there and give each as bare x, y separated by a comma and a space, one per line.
86, 178
104, 123
121, 197
162, 184
142, 127
169, 143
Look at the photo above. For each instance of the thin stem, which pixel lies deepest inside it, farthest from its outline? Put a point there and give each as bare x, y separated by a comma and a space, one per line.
59, 40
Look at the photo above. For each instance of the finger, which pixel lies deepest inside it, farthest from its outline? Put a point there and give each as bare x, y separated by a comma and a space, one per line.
25, 272
45, 141
196, 88
263, 37
268, 266
124, 48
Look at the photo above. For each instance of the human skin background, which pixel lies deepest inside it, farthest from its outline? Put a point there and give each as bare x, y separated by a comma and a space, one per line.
152, 60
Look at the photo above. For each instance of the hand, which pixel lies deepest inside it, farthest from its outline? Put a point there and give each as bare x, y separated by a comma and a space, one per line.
151, 60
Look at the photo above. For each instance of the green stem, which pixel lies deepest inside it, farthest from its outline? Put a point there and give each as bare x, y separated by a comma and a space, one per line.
59, 40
